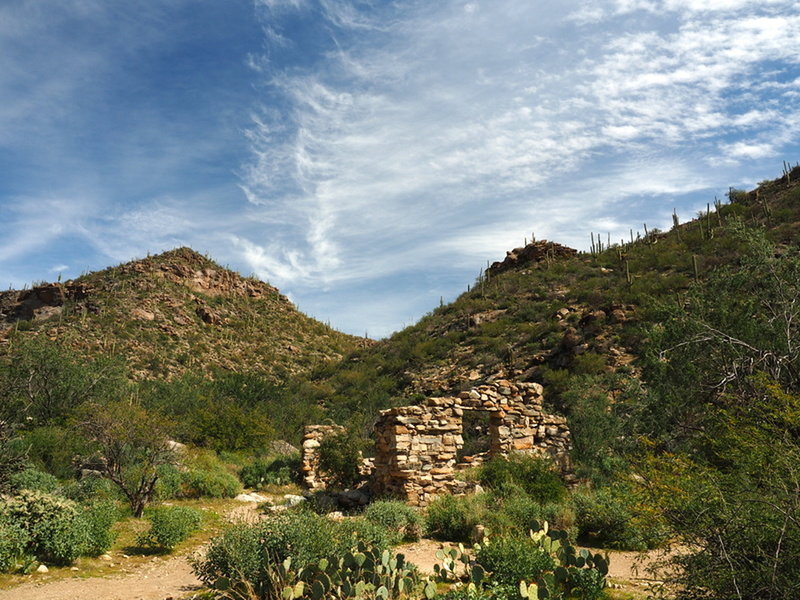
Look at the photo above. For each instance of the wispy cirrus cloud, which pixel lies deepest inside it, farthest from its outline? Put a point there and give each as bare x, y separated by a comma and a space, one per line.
462, 125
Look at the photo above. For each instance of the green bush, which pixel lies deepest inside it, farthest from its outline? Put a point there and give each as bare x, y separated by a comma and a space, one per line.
402, 520
33, 479
351, 531
513, 559
60, 542
98, 519
204, 476
13, 545
57, 532
169, 526
340, 458
238, 554
279, 470
536, 477
52, 449
303, 535
493, 592
89, 489
247, 557
198, 483
607, 517
453, 518
525, 514
169, 482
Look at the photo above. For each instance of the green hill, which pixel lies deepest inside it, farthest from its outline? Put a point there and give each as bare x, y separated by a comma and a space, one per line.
174, 314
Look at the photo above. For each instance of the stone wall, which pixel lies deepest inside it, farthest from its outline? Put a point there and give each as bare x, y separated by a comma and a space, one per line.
416, 446
314, 434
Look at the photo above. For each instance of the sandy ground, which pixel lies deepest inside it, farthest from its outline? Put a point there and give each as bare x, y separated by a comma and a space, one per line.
155, 580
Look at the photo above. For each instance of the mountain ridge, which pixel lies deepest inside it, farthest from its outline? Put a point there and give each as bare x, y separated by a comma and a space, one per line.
174, 312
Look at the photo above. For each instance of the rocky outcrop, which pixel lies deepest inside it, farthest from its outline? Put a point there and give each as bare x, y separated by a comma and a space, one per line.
533, 253
40, 302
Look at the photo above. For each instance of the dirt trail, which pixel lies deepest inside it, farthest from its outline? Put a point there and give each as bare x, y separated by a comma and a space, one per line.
155, 580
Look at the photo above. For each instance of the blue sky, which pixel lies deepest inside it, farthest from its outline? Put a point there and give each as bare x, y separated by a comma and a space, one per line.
367, 156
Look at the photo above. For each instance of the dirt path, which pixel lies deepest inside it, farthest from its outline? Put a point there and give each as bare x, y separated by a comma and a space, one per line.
157, 579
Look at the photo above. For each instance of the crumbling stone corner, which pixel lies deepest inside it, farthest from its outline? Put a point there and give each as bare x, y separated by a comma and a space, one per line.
314, 434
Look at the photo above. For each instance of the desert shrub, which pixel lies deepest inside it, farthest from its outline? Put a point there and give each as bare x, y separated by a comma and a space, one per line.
349, 532
525, 514
169, 526
90, 488
206, 476
396, 517
169, 482
493, 591
33, 479
98, 519
304, 535
453, 518
198, 483
513, 559
607, 517
57, 532
590, 363
13, 544
59, 541
278, 470
52, 449
238, 554
536, 477
246, 557
13, 454
340, 458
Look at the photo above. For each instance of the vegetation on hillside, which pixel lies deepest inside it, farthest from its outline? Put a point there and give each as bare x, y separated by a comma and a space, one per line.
170, 315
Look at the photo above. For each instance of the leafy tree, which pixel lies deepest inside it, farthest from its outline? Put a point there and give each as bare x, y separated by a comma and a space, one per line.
740, 516
132, 445
43, 383
724, 412
742, 321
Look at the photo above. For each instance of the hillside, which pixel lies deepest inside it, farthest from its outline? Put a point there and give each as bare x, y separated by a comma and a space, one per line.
173, 314
547, 313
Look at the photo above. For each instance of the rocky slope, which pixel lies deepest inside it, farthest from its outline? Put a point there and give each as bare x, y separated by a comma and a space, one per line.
173, 313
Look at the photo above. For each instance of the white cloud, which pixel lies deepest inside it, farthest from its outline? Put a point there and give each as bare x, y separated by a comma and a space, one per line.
745, 150
439, 130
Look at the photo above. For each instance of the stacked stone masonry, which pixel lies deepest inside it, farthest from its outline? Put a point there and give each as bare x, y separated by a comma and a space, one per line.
314, 434
416, 446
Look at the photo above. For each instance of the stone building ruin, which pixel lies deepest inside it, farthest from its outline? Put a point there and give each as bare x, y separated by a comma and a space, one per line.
416, 447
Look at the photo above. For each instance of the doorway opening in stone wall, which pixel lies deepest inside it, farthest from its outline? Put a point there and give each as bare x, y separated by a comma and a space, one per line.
476, 431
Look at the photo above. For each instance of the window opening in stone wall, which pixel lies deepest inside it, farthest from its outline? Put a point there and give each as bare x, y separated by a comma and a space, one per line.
476, 435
